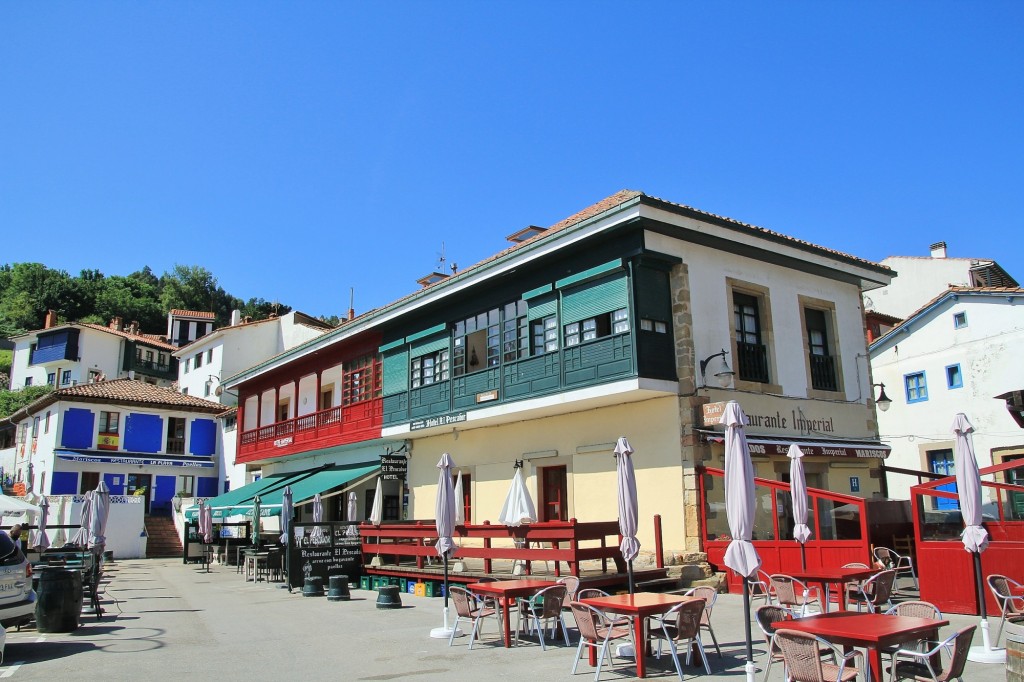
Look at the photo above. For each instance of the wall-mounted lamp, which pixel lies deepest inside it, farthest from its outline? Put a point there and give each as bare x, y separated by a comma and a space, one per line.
882, 401
724, 375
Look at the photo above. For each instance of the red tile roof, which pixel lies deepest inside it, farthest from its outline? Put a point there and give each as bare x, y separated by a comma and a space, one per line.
151, 339
192, 313
123, 392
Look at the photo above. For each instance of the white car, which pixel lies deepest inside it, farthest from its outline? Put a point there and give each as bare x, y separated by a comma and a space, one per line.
17, 598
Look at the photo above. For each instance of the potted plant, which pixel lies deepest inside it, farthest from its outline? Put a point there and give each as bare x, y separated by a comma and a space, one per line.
176, 500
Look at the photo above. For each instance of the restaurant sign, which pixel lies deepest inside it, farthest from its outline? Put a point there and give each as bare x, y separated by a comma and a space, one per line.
393, 467
333, 553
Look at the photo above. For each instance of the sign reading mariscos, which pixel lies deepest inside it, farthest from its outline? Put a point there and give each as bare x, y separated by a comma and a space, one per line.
393, 467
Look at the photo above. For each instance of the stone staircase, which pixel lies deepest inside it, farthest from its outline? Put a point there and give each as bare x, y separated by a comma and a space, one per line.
163, 538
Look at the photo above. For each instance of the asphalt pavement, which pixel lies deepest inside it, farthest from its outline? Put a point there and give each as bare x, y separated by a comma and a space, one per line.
165, 620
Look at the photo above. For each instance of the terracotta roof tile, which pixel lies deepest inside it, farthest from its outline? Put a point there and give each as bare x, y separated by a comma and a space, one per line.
152, 339
192, 313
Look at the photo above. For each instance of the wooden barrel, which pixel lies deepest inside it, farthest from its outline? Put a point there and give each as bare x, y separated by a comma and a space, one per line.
1014, 632
59, 600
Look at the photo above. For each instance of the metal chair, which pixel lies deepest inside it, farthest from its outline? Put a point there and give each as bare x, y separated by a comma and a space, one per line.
875, 591
764, 616
921, 665
1012, 605
471, 607
597, 630
545, 607
901, 563
710, 596
681, 624
590, 592
801, 652
794, 594
761, 588
572, 586
913, 609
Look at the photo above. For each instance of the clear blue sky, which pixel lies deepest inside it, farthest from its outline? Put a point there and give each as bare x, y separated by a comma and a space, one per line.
299, 149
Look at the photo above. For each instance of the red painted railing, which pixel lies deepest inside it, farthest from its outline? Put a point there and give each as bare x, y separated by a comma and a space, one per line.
555, 541
333, 426
945, 569
778, 550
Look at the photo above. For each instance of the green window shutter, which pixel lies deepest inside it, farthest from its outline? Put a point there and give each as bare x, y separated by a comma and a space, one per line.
602, 296
431, 345
542, 307
396, 372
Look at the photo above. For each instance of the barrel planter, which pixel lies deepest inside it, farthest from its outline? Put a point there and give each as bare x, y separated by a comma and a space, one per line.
1014, 632
59, 600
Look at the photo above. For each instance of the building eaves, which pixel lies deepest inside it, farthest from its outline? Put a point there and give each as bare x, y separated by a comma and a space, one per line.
951, 294
617, 202
199, 314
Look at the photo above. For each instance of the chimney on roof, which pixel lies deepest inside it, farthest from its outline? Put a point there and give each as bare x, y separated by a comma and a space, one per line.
938, 250
115, 324
351, 304
134, 327
236, 317
51, 319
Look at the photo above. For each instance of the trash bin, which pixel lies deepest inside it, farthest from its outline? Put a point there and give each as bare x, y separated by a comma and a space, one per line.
59, 600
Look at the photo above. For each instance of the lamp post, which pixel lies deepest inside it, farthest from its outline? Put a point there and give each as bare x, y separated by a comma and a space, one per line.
724, 375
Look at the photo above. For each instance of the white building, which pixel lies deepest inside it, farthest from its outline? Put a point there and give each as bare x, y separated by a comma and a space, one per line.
922, 277
141, 439
960, 352
226, 351
185, 326
63, 355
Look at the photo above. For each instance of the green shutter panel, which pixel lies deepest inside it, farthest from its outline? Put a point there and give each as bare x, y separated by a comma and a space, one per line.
600, 297
542, 307
396, 372
431, 345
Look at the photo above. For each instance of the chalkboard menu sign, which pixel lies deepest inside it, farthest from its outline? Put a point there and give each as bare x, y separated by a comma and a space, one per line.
323, 550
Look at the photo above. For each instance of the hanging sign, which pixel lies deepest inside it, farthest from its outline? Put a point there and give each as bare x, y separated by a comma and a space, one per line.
393, 467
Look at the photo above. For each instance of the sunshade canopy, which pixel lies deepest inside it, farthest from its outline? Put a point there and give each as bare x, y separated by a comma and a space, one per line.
304, 484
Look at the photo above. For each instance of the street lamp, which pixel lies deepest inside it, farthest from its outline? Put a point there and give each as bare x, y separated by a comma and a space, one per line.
724, 375
882, 401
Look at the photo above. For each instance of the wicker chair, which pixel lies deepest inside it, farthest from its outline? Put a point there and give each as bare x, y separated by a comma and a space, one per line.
572, 586
795, 595
597, 630
920, 665
471, 607
682, 624
801, 653
901, 563
761, 588
875, 591
914, 609
1009, 595
590, 592
764, 617
710, 596
544, 608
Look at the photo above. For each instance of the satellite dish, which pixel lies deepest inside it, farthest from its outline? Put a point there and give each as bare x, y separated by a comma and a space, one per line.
219, 391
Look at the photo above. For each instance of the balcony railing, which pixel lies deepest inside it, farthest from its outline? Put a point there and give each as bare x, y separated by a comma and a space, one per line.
325, 423
823, 373
175, 446
752, 362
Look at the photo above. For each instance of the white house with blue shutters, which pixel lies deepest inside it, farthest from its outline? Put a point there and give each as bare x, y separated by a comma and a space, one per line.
141, 439
960, 352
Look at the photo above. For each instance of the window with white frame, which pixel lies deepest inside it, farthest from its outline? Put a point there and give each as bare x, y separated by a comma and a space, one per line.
429, 368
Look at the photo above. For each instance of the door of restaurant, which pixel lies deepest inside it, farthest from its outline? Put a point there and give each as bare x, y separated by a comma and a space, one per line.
140, 484
554, 494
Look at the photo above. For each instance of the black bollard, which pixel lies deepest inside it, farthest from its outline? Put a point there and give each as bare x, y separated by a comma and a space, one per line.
387, 597
313, 587
337, 589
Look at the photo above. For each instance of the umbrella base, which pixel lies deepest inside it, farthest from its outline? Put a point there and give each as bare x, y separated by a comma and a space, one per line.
979, 654
445, 633
459, 567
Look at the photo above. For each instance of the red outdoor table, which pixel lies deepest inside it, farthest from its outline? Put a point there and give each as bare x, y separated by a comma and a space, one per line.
638, 606
840, 576
508, 591
872, 631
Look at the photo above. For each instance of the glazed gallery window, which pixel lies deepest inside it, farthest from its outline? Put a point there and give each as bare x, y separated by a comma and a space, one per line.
544, 335
175, 435
429, 368
823, 371
615, 322
360, 381
916, 387
109, 422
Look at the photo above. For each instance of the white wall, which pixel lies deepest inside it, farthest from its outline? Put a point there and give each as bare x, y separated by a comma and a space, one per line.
918, 281
125, 524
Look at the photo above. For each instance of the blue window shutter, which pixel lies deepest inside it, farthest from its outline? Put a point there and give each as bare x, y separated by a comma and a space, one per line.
602, 296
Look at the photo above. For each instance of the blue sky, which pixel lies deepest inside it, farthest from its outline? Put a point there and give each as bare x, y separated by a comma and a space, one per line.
297, 150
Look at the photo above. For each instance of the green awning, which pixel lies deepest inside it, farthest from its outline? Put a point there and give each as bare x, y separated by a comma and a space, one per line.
304, 489
232, 498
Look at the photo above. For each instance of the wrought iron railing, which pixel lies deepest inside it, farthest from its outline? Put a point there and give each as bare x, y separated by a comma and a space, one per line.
823, 373
752, 362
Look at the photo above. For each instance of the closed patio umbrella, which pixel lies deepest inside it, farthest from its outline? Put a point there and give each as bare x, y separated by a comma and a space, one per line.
287, 511
256, 511
518, 508
975, 537
81, 536
39, 538
60, 536
460, 496
628, 513
740, 555
353, 515
98, 518
206, 523
317, 537
377, 515
444, 522
798, 491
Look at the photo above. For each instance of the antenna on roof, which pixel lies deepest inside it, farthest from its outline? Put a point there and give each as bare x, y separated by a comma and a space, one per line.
441, 258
